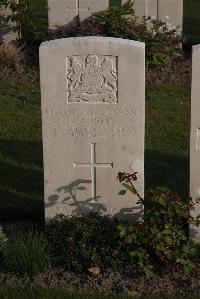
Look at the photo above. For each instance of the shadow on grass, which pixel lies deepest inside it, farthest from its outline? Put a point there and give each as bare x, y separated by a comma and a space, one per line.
166, 170
191, 28
21, 181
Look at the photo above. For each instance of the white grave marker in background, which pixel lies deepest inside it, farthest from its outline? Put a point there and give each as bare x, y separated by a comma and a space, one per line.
168, 11
64, 12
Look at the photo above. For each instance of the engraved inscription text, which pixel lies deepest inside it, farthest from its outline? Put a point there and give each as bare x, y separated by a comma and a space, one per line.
89, 123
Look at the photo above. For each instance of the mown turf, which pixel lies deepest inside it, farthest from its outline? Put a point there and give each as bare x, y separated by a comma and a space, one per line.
167, 138
21, 176
191, 22
21, 168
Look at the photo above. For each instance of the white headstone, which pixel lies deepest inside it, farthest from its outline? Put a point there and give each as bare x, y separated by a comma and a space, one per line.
168, 11
93, 109
7, 29
145, 8
195, 140
171, 11
64, 12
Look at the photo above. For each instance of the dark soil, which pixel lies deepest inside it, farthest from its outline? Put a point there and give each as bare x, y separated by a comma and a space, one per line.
170, 282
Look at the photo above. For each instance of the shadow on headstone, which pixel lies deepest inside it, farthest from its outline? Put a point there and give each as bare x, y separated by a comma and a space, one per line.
78, 206
88, 205
21, 181
60, 31
167, 170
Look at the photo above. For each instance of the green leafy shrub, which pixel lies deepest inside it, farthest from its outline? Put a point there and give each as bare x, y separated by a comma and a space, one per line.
114, 20
3, 239
29, 25
162, 40
26, 253
161, 235
83, 242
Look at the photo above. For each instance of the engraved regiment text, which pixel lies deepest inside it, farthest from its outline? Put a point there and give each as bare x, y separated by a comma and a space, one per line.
92, 123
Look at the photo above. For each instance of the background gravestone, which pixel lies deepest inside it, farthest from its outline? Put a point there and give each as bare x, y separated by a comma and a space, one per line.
64, 12
169, 11
93, 102
195, 139
7, 29
145, 8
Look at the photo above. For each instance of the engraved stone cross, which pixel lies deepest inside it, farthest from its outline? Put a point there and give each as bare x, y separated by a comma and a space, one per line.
78, 9
93, 165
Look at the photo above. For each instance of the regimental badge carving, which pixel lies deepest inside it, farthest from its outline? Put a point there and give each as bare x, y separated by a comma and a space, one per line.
92, 79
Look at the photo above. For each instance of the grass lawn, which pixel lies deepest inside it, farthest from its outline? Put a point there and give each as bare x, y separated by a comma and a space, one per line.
167, 138
21, 177
21, 169
191, 22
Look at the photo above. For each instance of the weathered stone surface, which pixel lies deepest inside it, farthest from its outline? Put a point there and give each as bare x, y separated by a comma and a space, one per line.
145, 8
195, 139
64, 12
169, 11
93, 92
7, 29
